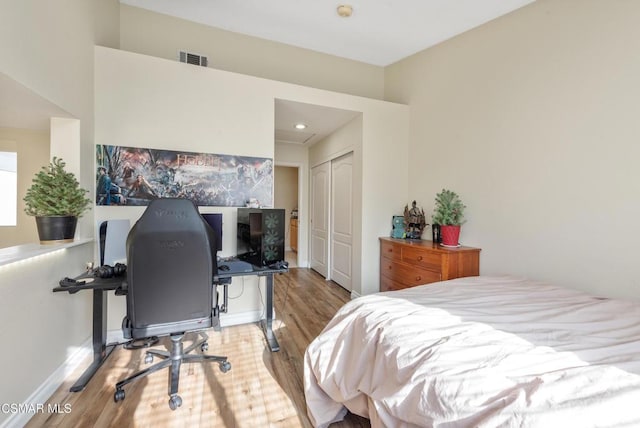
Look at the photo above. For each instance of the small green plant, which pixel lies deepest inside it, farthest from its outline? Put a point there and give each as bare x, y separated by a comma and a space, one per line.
449, 209
55, 192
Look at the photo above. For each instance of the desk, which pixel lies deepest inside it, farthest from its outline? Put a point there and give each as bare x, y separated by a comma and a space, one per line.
224, 278
101, 350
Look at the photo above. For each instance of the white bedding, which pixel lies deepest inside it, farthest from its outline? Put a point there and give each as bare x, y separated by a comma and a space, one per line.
478, 352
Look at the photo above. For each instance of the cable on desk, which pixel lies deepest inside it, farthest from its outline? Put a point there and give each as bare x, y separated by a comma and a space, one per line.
263, 312
241, 290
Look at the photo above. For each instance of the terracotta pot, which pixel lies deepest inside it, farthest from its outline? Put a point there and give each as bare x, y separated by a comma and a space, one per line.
56, 229
449, 235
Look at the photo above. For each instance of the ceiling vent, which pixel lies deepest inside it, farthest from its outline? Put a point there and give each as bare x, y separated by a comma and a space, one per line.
192, 58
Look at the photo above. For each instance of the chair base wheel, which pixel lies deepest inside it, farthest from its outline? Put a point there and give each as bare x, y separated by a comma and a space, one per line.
175, 401
118, 395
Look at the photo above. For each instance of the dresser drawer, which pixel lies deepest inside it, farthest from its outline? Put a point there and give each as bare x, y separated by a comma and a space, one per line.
407, 263
407, 274
388, 284
422, 258
391, 251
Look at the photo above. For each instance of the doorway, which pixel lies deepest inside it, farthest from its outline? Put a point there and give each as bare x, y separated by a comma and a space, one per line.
286, 189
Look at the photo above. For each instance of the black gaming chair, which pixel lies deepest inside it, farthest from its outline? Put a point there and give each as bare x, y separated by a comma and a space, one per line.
171, 260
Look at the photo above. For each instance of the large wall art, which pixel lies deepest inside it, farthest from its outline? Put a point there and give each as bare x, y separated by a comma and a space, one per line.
135, 176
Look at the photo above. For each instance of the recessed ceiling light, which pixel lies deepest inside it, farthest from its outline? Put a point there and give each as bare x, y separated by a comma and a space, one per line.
300, 126
345, 10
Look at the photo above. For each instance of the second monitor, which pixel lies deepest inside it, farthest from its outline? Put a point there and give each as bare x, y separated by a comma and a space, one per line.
215, 221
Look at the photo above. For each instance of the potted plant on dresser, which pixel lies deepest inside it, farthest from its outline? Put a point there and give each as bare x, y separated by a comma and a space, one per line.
56, 200
448, 213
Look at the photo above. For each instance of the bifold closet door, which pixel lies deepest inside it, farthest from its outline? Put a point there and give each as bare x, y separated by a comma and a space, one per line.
319, 221
341, 222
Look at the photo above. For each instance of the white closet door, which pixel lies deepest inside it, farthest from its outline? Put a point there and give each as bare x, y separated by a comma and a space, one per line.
320, 189
341, 220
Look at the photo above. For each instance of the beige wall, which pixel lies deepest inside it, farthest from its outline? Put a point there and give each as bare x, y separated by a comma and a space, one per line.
163, 36
167, 109
32, 148
48, 47
286, 194
532, 119
51, 51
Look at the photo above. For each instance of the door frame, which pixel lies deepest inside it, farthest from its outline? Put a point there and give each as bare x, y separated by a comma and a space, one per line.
303, 221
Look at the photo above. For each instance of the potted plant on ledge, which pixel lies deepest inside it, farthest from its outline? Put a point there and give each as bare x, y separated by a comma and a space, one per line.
56, 200
449, 214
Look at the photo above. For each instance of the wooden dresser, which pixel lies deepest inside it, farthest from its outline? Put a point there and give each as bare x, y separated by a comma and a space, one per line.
406, 263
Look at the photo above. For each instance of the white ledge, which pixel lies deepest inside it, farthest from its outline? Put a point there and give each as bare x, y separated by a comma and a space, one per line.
27, 251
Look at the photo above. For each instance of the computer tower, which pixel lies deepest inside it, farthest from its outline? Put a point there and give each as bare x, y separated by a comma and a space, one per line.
261, 235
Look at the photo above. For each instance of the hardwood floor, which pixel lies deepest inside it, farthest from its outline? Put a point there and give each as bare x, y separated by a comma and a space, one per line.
263, 389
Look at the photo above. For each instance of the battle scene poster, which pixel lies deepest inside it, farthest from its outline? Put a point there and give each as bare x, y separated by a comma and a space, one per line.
135, 176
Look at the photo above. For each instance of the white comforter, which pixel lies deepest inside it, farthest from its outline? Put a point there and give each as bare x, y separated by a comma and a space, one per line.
478, 352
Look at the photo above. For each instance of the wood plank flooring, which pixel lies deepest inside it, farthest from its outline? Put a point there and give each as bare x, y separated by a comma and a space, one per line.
263, 389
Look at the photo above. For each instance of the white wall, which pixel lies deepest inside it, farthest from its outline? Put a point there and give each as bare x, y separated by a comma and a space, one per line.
180, 106
532, 119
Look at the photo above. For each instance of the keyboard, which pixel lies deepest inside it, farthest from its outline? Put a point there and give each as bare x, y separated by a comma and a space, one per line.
234, 266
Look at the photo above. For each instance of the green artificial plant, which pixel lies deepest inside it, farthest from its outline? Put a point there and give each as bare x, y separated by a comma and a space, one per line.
449, 209
55, 192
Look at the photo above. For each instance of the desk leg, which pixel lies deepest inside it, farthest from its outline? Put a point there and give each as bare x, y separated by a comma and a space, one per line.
267, 324
100, 349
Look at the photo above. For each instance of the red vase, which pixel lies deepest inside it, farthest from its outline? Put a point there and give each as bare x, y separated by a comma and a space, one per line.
450, 235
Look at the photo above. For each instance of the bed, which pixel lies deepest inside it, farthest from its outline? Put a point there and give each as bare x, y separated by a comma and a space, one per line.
478, 352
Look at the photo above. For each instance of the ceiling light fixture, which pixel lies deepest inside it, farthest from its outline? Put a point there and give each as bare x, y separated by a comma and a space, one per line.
300, 126
345, 10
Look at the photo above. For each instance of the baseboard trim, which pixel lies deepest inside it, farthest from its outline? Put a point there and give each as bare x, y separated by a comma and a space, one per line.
40, 396
355, 294
227, 320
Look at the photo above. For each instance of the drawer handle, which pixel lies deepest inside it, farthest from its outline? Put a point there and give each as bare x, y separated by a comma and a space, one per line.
418, 278
390, 250
419, 258
389, 267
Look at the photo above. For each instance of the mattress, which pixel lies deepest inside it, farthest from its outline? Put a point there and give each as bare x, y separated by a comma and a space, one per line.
478, 352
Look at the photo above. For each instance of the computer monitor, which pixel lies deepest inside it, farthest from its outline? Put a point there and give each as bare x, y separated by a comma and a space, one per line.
215, 221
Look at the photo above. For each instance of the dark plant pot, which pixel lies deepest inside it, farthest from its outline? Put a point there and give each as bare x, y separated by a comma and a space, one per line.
56, 229
449, 235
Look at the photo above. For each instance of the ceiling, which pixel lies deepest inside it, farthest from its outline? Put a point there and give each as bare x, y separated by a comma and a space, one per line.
320, 121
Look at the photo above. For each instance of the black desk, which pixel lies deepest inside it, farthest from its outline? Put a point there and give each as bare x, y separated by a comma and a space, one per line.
224, 278
101, 350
